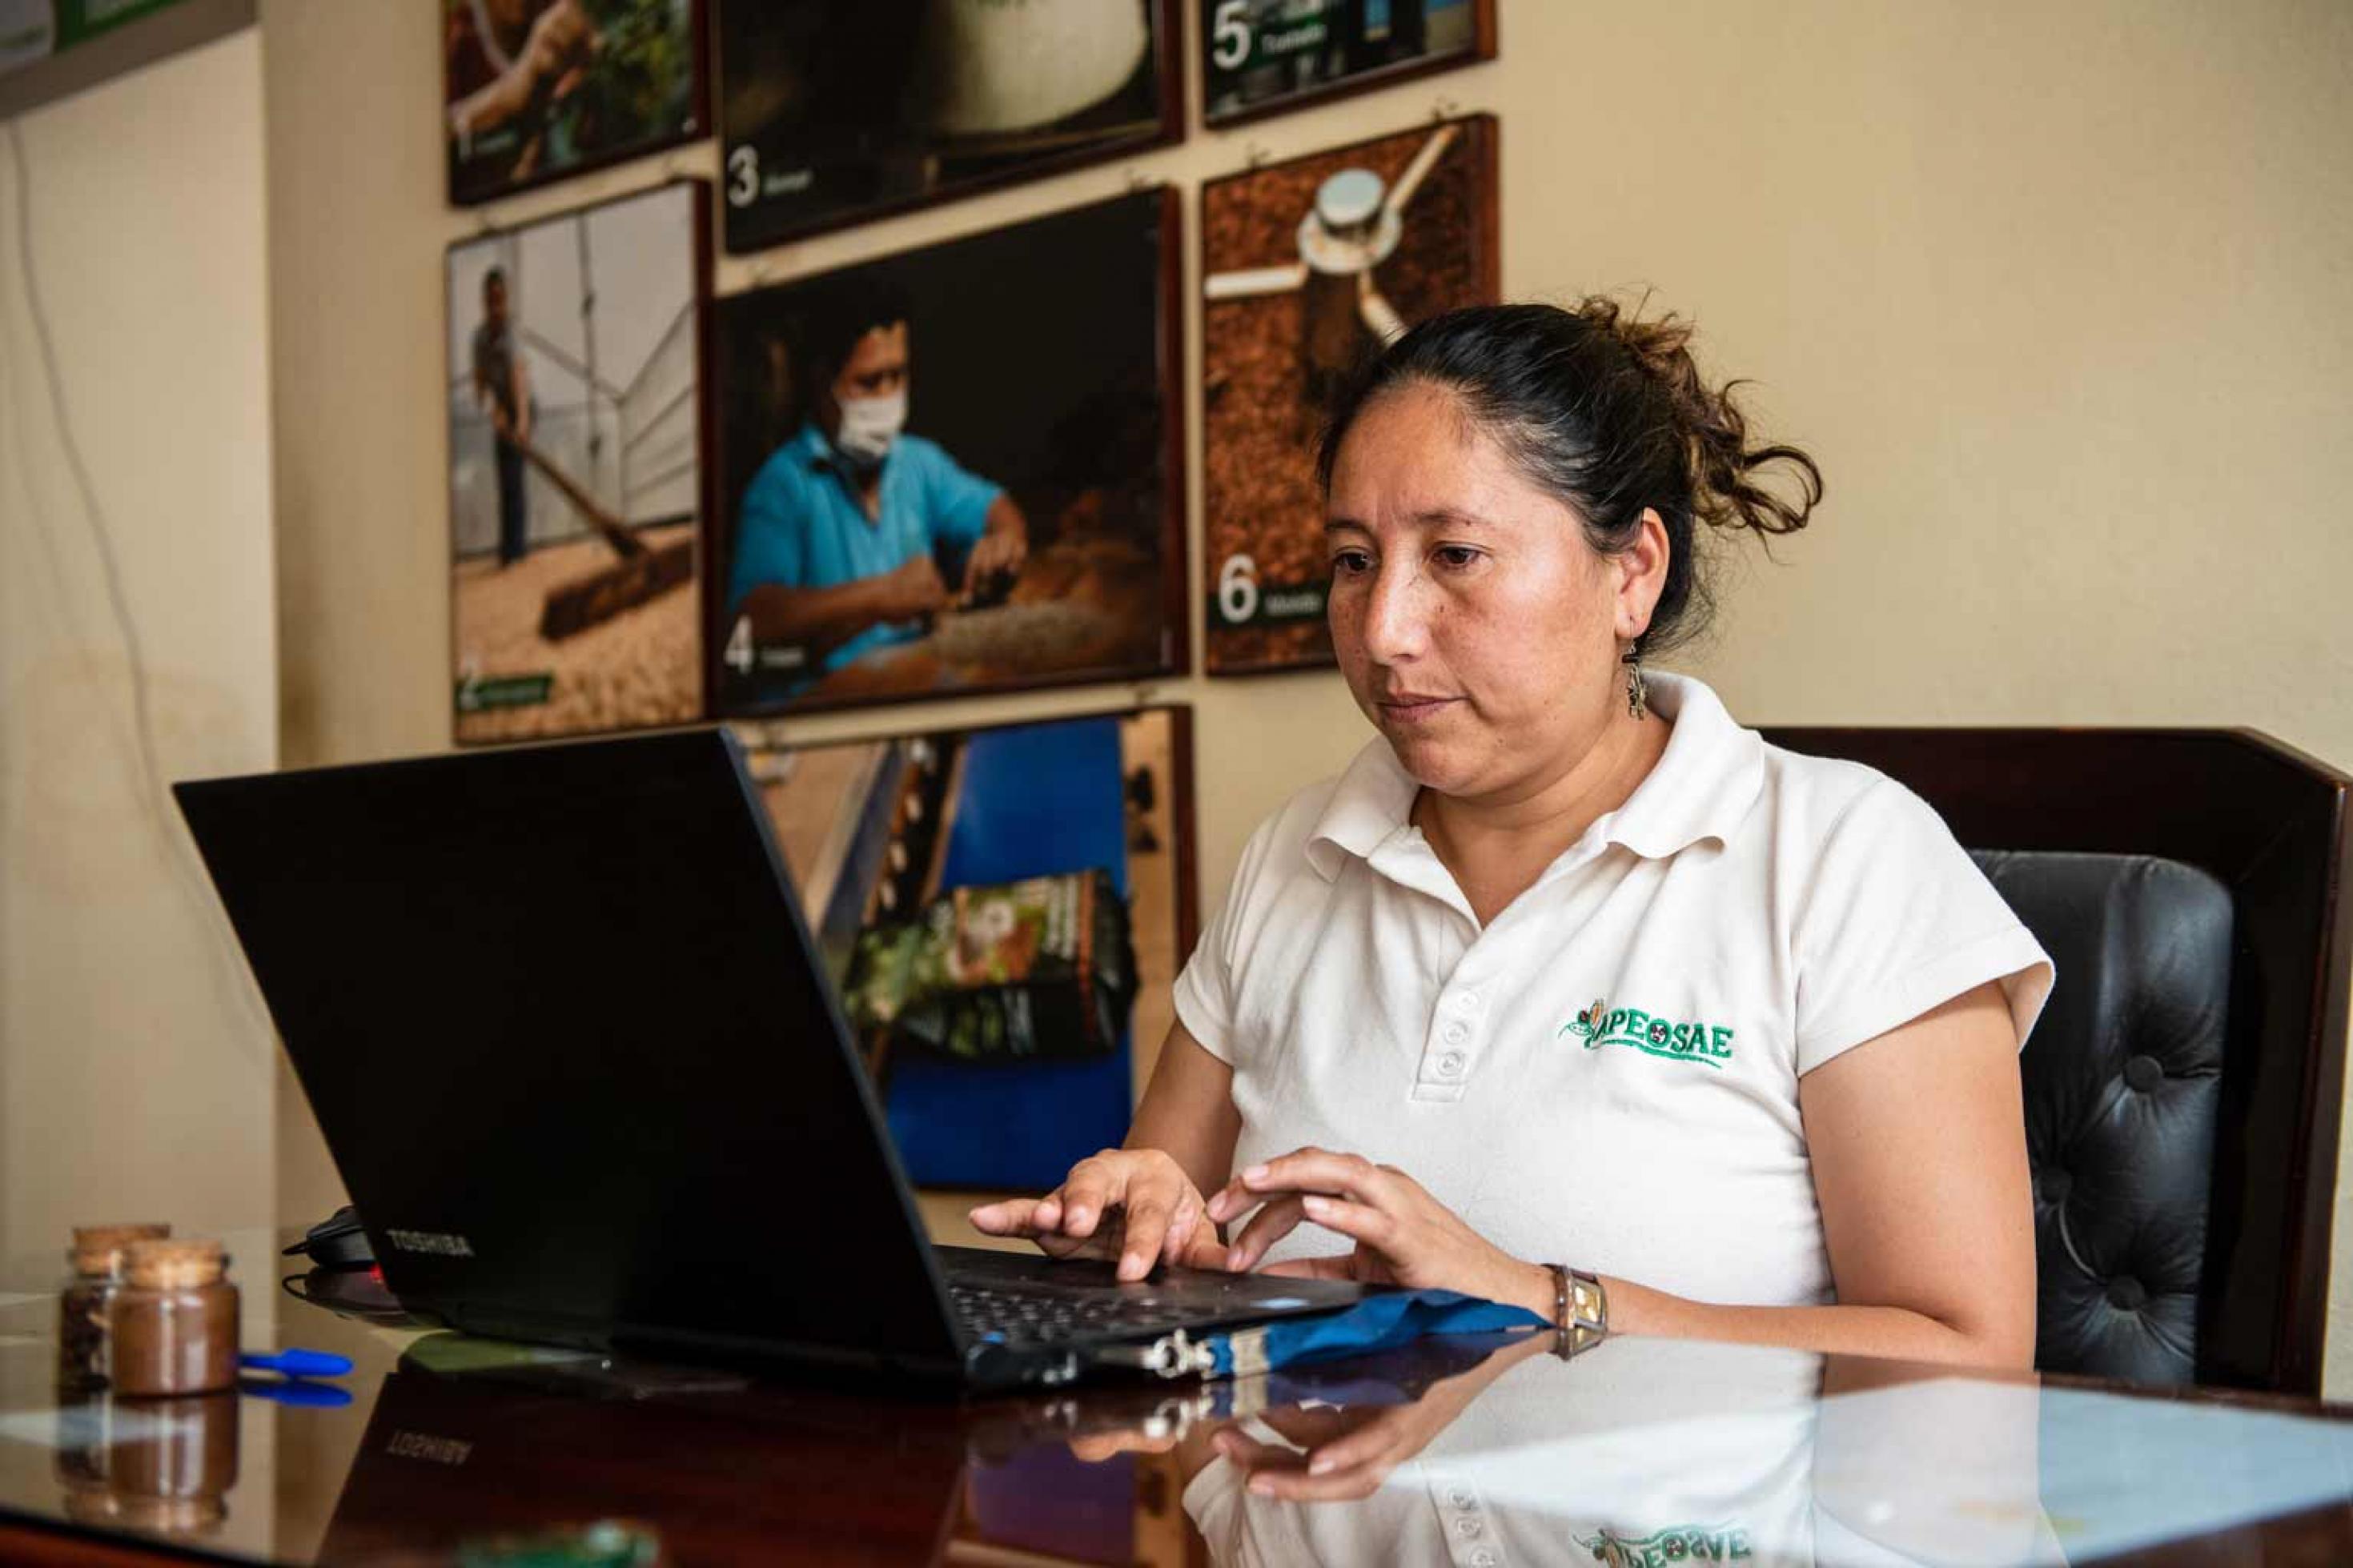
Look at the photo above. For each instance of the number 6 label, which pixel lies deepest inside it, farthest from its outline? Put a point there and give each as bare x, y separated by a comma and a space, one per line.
1238, 590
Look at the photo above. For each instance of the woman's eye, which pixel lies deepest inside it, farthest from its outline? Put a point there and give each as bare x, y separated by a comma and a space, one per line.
1349, 563
1456, 556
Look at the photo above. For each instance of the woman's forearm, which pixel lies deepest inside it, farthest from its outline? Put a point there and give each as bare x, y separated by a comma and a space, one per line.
1898, 1332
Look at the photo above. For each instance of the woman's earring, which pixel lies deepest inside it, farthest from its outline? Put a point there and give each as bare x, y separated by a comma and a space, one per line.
1637, 698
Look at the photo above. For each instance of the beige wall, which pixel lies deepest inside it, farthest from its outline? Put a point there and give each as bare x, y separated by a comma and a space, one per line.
135, 1066
2056, 295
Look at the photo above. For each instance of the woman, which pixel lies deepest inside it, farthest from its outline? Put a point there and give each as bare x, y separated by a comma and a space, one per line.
1571, 992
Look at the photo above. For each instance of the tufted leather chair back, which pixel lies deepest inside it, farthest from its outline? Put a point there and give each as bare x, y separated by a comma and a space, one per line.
2123, 1082
2184, 1087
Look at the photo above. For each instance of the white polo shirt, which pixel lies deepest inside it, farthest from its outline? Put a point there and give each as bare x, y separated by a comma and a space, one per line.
1606, 1075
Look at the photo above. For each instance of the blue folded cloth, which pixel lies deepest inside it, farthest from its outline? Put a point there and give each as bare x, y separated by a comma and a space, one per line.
1379, 1322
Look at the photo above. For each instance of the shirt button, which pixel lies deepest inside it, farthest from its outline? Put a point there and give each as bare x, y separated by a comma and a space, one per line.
1484, 1558
1451, 1065
1468, 1526
1461, 1497
1457, 1033
1468, 1001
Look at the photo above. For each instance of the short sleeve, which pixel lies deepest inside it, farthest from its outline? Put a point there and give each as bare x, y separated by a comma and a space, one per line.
956, 502
770, 535
1205, 989
1896, 920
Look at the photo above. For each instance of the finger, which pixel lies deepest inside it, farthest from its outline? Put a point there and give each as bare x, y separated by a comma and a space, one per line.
1269, 1226
1013, 1216
1087, 1193
1104, 1446
1320, 1171
1309, 1429
1374, 1442
1291, 1484
1241, 1448
1055, 1245
1359, 1222
1148, 1213
1182, 1227
1334, 1268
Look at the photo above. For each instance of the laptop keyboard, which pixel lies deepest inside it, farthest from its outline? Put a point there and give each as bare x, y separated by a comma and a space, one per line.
1012, 1316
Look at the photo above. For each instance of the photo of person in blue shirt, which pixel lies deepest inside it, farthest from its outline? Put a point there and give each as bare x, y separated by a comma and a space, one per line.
854, 533
1012, 517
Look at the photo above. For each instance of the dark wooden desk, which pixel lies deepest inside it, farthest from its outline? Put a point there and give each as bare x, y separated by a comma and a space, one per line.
1639, 1452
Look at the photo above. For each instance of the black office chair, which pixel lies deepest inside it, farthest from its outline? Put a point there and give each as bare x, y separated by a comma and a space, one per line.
2184, 1087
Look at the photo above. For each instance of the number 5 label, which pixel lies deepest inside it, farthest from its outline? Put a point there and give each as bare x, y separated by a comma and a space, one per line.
1229, 35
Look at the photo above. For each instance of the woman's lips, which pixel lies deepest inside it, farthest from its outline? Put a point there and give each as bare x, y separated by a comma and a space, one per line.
1413, 707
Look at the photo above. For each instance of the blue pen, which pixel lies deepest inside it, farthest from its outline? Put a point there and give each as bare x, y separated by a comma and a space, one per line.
297, 1363
295, 1391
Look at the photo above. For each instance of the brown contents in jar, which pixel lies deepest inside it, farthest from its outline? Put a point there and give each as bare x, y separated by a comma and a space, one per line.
97, 1259
159, 1465
174, 1322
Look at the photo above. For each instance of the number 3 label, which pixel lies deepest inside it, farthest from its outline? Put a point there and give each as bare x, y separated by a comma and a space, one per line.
742, 176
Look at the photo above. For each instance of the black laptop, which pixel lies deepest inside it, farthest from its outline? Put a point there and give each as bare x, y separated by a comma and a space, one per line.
582, 1068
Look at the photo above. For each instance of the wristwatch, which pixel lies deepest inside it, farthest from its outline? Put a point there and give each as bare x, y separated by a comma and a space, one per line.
1580, 1313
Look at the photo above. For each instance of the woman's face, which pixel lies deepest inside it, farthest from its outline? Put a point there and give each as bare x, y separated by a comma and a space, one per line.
1477, 628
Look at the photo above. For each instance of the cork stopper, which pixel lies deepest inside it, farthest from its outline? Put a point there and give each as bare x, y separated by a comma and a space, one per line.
173, 1265
98, 1248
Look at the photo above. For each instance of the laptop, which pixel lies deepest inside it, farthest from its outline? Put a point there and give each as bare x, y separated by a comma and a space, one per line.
584, 1071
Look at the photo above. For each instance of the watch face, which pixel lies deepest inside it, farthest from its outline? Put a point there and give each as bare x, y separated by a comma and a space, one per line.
1307, 266
1263, 57
834, 113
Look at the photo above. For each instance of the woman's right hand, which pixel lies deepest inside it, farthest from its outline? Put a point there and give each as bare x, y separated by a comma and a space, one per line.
1136, 1204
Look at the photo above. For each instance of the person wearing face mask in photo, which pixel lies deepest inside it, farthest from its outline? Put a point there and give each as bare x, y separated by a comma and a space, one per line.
840, 541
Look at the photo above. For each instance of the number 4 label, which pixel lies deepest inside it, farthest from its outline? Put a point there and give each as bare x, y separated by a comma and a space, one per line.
737, 655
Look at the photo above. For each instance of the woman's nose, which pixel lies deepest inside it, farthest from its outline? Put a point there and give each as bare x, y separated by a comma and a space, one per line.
1395, 617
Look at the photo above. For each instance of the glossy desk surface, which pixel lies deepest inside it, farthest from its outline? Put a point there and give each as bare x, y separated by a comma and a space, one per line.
1638, 1452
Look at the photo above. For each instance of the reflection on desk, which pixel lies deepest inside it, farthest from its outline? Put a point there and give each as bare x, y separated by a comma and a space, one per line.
1480, 1454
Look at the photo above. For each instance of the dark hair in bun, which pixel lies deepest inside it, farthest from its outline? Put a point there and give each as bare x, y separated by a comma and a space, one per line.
1609, 415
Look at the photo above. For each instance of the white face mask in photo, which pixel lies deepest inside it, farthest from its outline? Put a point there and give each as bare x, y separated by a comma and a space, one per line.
869, 426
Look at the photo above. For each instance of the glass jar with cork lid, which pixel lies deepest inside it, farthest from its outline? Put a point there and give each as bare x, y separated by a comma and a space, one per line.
83, 1305
173, 1326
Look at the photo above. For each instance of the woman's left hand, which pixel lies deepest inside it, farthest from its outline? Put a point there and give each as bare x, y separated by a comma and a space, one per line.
1403, 1236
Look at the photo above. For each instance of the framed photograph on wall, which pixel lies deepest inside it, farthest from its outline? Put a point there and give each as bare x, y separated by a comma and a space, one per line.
833, 114
575, 400
534, 91
955, 469
1266, 56
1307, 266
1004, 910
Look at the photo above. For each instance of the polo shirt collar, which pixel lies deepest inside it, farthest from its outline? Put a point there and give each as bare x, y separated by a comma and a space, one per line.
1705, 783
1702, 786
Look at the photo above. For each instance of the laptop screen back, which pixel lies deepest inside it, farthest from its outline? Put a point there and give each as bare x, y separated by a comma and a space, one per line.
563, 1026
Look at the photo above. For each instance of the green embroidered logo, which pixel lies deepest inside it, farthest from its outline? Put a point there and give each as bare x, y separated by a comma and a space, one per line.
1710, 1044
1677, 1543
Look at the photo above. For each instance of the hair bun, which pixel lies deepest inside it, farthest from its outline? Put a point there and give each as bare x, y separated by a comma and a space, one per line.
1726, 492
